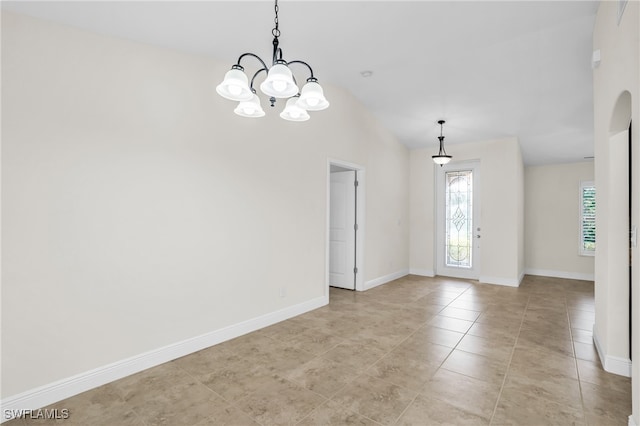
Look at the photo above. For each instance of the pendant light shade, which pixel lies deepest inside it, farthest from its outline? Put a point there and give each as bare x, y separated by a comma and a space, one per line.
312, 97
293, 112
279, 82
441, 158
250, 108
235, 85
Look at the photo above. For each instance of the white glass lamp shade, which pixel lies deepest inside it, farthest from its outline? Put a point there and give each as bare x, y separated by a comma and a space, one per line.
293, 112
235, 86
279, 82
312, 97
250, 108
441, 159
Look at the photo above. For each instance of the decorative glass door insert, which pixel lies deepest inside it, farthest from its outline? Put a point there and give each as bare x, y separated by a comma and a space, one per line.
459, 218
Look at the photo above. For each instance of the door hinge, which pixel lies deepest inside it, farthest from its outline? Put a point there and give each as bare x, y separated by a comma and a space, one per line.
355, 270
356, 183
355, 227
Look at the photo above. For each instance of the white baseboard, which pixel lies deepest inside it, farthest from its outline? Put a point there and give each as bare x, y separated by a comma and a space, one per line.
632, 422
560, 274
422, 272
509, 282
619, 366
385, 279
596, 342
65, 388
612, 364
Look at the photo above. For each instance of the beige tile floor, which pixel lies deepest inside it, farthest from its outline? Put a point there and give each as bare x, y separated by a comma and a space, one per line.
417, 351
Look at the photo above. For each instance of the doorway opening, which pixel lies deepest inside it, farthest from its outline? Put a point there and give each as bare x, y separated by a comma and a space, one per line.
345, 225
621, 237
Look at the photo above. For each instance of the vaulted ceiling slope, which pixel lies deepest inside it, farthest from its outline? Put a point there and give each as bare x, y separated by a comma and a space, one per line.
491, 69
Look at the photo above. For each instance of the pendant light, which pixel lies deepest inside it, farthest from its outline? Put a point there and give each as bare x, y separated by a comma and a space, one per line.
278, 84
442, 158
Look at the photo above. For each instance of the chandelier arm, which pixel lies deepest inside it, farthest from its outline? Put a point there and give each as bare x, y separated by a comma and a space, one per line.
254, 77
305, 64
255, 56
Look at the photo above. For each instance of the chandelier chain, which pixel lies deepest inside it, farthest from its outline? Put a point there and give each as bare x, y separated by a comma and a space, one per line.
276, 31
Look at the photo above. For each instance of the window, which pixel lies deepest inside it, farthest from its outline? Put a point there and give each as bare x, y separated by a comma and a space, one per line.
459, 212
587, 219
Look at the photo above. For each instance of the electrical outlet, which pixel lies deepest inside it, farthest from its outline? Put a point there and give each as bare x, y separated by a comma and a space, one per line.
283, 292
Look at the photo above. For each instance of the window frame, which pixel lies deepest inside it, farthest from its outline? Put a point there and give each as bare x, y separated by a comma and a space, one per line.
581, 216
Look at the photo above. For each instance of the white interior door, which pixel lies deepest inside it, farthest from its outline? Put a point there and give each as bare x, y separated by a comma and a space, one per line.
458, 227
342, 229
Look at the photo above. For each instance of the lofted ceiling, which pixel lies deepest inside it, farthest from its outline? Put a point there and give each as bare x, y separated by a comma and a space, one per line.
490, 69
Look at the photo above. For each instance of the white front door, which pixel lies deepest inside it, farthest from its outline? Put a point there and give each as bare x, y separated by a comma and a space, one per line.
458, 220
342, 229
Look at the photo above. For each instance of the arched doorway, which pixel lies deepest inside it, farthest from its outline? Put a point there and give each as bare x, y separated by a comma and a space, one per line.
616, 199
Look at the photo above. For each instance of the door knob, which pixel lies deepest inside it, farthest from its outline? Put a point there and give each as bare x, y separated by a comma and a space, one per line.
477, 236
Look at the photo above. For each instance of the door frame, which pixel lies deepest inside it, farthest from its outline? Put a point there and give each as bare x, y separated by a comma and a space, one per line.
440, 268
360, 218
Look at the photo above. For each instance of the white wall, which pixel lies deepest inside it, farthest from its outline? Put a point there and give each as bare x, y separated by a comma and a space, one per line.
501, 170
552, 211
422, 213
138, 211
616, 75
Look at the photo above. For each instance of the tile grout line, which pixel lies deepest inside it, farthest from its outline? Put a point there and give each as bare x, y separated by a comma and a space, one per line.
362, 373
406, 408
506, 373
135, 412
445, 359
465, 334
402, 341
575, 361
233, 404
276, 374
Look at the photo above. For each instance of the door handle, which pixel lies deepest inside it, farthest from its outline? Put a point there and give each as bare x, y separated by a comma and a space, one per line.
477, 236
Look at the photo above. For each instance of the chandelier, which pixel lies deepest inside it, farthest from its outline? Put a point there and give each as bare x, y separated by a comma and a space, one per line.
278, 84
442, 158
